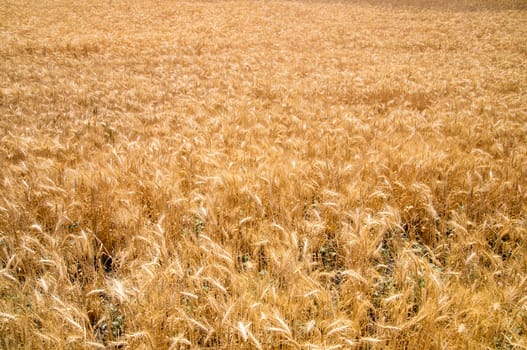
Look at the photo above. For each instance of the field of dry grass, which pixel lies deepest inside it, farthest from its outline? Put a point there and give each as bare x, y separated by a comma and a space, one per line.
259, 174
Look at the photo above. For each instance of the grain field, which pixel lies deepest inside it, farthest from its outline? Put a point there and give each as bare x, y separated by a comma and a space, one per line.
263, 174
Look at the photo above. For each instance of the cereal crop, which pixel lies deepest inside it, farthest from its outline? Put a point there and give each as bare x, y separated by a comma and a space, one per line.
263, 174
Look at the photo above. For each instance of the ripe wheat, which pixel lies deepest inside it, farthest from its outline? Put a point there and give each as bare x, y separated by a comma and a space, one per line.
263, 174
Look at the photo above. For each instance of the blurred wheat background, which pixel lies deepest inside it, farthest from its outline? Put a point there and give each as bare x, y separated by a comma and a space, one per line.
263, 174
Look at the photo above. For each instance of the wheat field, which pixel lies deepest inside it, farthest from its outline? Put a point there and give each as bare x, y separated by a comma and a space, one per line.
263, 174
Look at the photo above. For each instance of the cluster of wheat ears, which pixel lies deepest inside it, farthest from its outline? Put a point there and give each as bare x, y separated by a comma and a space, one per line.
259, 175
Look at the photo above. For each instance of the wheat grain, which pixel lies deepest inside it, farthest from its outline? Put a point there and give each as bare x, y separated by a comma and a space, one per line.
176, 173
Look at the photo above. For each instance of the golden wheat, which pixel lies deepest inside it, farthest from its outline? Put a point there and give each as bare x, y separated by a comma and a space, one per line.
263, 174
